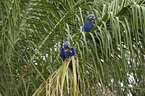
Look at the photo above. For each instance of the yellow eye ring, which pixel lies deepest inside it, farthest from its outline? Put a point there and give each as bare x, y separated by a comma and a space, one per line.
90, 17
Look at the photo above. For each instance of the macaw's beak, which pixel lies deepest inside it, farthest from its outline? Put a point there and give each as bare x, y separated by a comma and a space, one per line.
89, 25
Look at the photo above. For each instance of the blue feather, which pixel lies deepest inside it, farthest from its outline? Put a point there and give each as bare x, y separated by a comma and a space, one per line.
88, 26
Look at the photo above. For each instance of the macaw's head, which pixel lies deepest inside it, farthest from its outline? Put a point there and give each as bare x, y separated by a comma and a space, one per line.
90, 17
66, 44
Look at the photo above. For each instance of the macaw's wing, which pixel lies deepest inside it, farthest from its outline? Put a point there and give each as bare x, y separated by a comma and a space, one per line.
74, 51
61, 52
88, 26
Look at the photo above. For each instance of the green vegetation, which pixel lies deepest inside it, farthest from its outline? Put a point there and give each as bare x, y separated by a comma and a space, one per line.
33, 31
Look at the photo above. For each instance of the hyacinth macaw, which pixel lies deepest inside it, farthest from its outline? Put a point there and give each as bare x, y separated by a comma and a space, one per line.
67, 51
90, 22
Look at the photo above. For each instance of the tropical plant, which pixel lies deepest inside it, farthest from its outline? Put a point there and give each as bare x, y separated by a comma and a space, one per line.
110, 59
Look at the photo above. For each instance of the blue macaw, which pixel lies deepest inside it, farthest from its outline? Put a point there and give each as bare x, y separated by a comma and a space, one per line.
90, 22
67, 51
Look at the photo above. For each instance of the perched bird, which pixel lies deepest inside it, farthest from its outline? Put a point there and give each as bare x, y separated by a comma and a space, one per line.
90, 22
67, 51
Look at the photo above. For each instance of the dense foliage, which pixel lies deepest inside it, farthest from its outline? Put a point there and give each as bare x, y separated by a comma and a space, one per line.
110, 59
